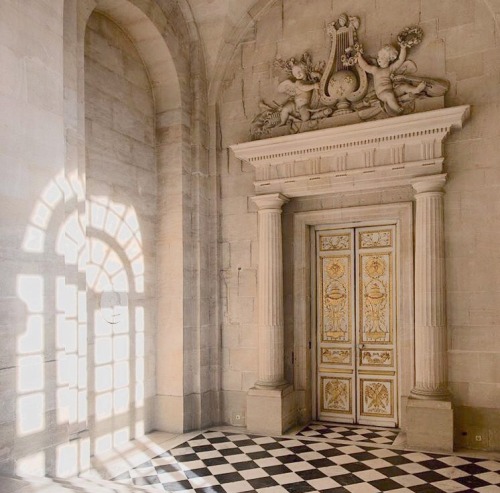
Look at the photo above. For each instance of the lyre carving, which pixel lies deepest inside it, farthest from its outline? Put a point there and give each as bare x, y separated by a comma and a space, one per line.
343, 81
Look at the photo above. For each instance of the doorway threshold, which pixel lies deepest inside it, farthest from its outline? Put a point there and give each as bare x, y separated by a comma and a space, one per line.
349, 433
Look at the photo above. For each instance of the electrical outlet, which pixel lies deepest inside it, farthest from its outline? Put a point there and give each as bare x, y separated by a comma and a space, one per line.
479, 438
238, 419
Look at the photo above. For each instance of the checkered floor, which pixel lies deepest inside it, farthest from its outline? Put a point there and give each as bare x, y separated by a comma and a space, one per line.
354, 434
218, 462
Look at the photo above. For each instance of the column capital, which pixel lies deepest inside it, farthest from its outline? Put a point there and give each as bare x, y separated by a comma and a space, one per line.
432, 183
270, 201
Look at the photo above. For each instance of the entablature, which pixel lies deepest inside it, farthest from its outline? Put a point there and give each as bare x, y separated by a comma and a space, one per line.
370, 155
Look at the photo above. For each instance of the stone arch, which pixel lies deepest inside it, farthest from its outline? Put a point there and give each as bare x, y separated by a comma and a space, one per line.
152, 35
171, 53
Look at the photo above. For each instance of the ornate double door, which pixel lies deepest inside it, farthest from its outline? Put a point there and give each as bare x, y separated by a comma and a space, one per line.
356, 358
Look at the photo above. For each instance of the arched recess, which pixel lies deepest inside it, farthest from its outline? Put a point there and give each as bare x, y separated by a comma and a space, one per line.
168, 50
143, 22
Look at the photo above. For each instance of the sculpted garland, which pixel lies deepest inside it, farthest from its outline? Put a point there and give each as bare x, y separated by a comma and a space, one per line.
350, 87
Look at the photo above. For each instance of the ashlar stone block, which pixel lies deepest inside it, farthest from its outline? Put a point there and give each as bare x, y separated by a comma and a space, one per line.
429, 425
271, 411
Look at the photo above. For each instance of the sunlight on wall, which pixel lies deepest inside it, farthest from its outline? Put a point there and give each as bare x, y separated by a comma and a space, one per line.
121, 224
73, 457
115, 274
31, 465
30, 377
107, 251
58, 190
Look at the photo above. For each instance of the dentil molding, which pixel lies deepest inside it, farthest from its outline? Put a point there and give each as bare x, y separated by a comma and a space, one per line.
369, 155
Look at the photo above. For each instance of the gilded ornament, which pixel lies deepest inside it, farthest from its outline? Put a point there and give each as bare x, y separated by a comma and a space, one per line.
376, 398
375, 324
336, 395
335, 299
375, 267
376, 358
335, 242
375, 239
335, 356
335, 269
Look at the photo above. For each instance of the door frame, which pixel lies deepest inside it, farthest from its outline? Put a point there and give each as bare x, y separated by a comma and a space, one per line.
399, 214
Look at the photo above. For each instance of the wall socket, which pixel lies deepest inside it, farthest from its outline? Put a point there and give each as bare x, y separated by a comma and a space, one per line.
238, 419
479, 438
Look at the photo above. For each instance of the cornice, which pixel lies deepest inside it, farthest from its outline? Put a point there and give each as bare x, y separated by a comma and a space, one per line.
373, 154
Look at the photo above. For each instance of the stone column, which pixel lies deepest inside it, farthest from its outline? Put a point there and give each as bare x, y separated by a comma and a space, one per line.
270, 291
429, 410
269, 403
430, 298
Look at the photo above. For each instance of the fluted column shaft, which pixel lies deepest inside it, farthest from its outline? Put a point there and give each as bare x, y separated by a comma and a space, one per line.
270, 291
430, 294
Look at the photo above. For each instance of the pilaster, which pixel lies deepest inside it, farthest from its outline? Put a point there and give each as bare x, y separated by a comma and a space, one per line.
430, 297
270, 291
429, 410
270, 402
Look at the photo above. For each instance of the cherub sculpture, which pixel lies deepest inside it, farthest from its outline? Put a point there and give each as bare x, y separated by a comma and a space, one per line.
303, 80
300, 92
301, 104
389, 62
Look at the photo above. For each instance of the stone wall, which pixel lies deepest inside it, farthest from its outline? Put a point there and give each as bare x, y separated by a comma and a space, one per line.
32, 154
121, 188
461, 45
77, 369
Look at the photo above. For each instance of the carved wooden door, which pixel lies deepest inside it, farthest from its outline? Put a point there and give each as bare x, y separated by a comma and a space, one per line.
356, 325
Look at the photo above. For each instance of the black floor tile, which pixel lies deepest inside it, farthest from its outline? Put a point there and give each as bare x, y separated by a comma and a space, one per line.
265, 482
301, 487
385, 484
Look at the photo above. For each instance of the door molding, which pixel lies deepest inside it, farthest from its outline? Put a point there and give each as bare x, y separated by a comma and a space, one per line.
398, 152
400, 214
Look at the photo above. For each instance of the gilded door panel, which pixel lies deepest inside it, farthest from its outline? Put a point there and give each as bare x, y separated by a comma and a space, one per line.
376, 385
335, 328
377, 398
336, 395
336, 309
375, 298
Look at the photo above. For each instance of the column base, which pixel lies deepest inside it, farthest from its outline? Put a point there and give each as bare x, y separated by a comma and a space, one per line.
429, 425
432, 395
271, 411
274, 386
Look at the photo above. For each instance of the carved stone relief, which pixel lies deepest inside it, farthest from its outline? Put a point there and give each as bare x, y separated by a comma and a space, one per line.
350, 87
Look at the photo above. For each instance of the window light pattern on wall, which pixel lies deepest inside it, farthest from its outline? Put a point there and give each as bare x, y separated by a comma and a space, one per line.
99, 264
